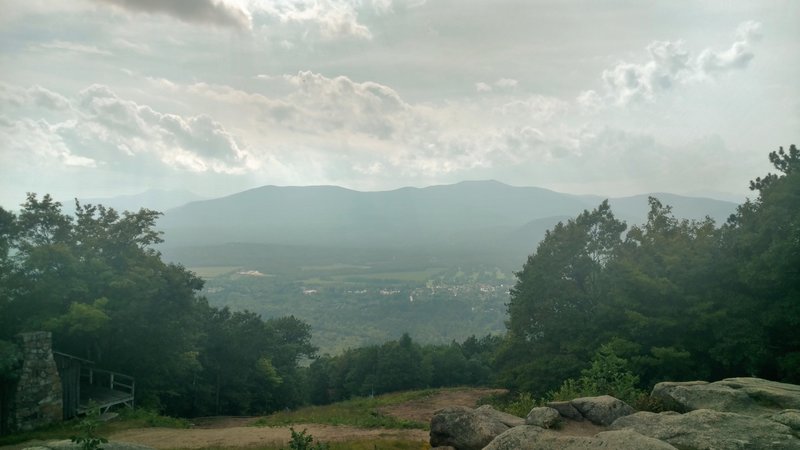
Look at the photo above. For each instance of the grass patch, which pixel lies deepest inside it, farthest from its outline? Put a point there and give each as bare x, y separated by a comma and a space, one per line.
358, 412
127, 419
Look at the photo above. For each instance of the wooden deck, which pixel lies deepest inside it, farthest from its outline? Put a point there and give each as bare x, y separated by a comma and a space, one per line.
103, 389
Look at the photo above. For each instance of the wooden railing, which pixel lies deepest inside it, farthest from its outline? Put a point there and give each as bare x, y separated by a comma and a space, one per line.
111, 380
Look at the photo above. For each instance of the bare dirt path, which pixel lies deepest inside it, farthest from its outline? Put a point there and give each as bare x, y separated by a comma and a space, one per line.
253, 436
421, 410
237, 432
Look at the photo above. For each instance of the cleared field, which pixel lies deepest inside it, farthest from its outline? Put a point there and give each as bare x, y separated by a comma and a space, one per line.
213, 271
335, 266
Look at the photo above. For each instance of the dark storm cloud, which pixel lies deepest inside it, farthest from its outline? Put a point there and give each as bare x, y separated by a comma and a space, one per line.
211, 12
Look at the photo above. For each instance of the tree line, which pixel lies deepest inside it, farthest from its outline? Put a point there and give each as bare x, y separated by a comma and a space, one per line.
673, 299
95, 281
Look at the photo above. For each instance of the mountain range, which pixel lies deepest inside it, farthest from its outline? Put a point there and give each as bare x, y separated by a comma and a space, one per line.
471, 214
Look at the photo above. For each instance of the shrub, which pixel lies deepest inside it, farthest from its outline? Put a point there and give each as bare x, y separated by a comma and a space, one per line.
303, 441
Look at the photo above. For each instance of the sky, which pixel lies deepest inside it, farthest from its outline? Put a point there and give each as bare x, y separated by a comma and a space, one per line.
100, 98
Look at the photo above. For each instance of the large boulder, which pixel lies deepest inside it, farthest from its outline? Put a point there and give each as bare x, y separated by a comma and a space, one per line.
602, 410
705, 429
502, 417
469, 429
543, 416
530, 437
565, 409
750, 396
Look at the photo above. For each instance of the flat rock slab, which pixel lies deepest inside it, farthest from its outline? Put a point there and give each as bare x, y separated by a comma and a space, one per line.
706, 429
530, 437
749, 396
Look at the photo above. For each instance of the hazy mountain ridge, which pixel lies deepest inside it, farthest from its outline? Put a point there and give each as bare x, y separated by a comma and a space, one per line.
156, 199
472, 213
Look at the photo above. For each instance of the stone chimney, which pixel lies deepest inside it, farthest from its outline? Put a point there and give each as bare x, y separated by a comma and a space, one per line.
37, 400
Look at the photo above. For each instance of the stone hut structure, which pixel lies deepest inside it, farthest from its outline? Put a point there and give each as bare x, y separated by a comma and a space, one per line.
38, 395
54, 386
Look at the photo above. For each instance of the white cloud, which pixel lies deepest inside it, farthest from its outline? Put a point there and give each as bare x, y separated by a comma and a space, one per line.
332, 18
669, 63
534, 109
74, 47
506, 83
501, 84
32, 96
196, 143
342, 104
99, 128
482, 87
738, 56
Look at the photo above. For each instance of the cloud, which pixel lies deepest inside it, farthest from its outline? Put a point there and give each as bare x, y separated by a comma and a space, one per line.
738, 56
482, 87
98, 128
196, 143
32, 96
502, 83
534, 109
506, 83
36, 142
211, 12
340, 103
332, 18
74, 47
669, 64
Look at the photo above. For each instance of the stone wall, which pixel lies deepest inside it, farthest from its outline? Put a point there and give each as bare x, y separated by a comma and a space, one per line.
37, 400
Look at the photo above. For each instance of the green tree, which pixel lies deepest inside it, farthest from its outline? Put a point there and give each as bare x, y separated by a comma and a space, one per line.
551, 331
763, 237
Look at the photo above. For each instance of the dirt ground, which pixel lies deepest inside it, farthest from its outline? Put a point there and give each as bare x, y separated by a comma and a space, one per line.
237, 432
253, 436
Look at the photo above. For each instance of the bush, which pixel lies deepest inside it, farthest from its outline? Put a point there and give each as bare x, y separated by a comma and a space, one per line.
609, 374
303, 441
518, 404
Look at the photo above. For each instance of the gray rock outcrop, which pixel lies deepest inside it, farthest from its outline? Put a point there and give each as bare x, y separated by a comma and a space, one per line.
543, 416
705, 429
469, 429
750, 396
530, 437
732, 414
602, 410
788, 417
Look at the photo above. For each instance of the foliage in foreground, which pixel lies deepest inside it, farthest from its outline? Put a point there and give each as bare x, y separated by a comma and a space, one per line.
304, 441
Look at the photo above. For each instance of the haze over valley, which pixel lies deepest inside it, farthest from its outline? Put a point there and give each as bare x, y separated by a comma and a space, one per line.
363, 267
